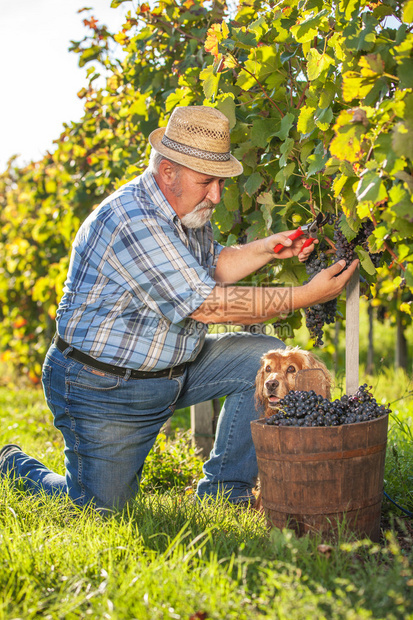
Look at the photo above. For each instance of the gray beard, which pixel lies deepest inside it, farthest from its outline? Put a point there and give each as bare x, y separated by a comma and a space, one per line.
199, 216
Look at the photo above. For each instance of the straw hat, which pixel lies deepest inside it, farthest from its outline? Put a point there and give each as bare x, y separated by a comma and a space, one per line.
197, 137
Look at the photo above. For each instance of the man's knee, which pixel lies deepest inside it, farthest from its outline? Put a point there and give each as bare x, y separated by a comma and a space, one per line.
253, 346
260, 343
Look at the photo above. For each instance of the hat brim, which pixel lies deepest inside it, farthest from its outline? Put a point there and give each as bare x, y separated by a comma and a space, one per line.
230, 168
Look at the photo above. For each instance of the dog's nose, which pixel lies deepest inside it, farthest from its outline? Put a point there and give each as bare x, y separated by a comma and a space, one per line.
272, 384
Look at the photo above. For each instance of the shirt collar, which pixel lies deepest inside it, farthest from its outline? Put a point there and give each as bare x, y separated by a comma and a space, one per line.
151, 186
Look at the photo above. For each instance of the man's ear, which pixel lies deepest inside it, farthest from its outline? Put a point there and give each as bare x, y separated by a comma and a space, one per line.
167, 172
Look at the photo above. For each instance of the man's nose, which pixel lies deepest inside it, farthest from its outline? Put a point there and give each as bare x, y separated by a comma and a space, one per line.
214, 192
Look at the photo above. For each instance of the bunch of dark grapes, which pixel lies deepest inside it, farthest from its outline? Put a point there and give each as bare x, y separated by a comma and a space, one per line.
376, 259
301, 408
321, 314
324, 314
344, 248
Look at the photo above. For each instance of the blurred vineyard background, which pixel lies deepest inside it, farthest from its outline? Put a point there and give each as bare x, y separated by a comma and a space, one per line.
320, 103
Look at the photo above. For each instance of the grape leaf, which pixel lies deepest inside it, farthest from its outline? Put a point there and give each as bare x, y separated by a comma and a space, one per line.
323, 118
213, 38
262, 130
226, 105
348, 7
408, 274
285, 149
231, 240
327, 95
348, 232
210, 81
253, 183
282, 177
317, 63
266, 198
266, 213
257, 229
402, 140
317, 160
371, 188
405, 73
286, 123
365, 261
231, 197
306, 30
408, 12
306, 122
223, 218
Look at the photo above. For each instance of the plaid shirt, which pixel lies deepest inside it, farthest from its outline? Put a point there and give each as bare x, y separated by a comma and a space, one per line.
134, 278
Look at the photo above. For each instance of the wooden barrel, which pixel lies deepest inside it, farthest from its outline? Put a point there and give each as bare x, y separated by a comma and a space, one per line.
313, 478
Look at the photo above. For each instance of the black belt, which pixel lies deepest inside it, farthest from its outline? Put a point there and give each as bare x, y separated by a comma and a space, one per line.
119, 371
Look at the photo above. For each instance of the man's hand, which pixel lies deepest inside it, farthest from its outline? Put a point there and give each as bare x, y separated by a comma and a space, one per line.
291, 248
329, 283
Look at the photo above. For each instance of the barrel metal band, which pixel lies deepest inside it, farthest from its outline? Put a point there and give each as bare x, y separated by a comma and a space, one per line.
371, 504
322, 456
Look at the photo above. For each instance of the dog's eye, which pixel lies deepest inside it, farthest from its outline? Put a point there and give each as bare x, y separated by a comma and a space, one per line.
268, 368
291, 369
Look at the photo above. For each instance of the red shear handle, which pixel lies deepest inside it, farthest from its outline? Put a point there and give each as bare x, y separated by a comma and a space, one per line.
307, 242
297, 233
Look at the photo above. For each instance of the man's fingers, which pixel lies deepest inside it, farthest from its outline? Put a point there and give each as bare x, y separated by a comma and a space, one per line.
352, 268
337, 268
304, 254
347, 273
330, 282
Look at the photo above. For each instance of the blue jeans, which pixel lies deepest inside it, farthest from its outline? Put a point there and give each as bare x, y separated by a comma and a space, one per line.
109, 424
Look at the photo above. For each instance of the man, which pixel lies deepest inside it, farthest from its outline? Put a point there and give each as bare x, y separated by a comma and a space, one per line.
145, 279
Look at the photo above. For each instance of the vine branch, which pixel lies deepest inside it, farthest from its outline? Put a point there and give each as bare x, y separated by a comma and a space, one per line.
262, 88
388, 248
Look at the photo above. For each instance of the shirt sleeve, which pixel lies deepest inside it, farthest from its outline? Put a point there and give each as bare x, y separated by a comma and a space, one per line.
151, 260
212, 248
217, 251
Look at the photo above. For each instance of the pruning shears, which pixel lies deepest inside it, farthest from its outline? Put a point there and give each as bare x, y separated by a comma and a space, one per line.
309, 230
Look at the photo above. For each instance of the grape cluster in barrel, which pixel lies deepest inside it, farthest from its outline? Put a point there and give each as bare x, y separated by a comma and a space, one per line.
302, 408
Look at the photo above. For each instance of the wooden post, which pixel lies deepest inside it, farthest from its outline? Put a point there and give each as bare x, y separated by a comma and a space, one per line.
370, 346
352, 332
202, 427
400, 356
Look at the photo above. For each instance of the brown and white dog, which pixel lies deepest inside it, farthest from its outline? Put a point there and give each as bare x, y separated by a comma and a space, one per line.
277, 375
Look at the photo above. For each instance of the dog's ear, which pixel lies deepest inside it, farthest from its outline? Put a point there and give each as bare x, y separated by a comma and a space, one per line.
310, 360
315, 362
259, 386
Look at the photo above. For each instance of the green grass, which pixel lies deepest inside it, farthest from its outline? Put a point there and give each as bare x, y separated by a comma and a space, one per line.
166, 556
